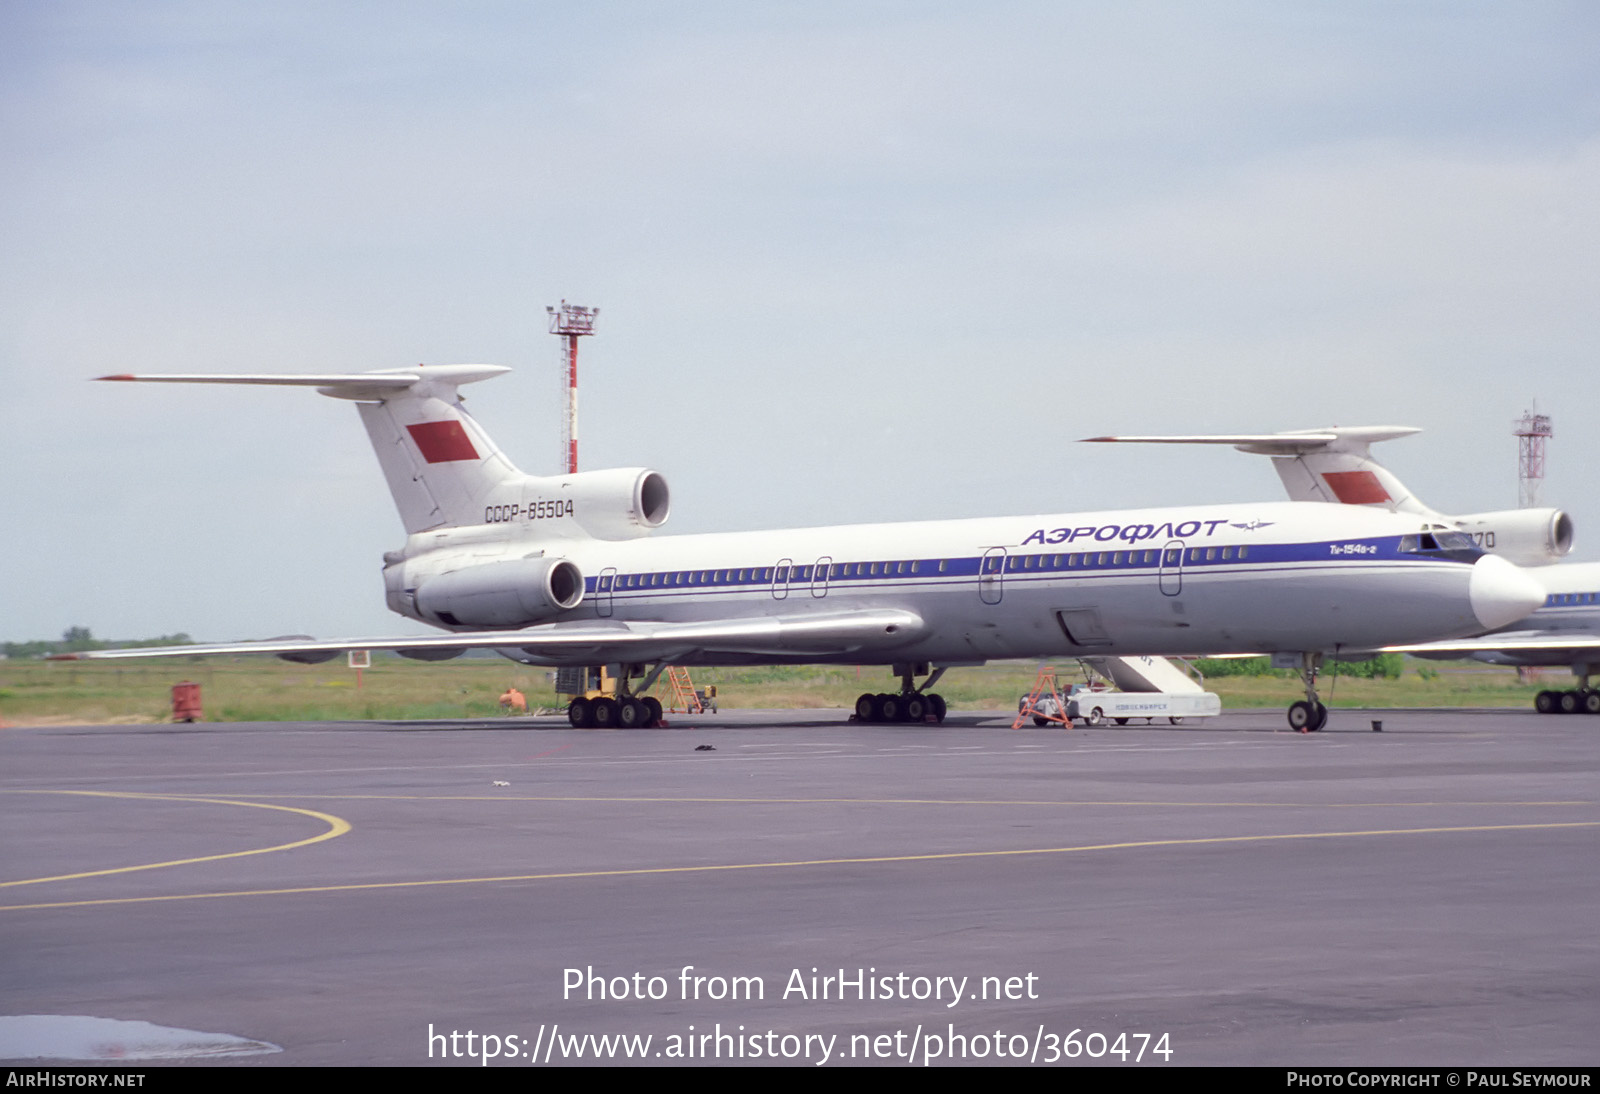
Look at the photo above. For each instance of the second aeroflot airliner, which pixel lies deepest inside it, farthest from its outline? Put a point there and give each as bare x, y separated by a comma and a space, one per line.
562, 570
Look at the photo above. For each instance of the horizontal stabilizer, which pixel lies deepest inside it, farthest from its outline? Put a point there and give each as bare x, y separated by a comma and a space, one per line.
1331, 465
1299, 442
441, 467
1352, 439
340, 385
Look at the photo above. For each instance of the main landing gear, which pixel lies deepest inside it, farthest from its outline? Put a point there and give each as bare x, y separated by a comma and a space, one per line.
910, 705
1308, 715
1581, 700
626, 711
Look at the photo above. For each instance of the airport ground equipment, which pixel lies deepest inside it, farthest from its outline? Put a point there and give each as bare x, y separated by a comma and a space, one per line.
1147, 687
1096, 708
1044, 702
186, 702
686, 698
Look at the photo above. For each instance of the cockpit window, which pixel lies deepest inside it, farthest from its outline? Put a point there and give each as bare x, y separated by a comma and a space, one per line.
1457, 546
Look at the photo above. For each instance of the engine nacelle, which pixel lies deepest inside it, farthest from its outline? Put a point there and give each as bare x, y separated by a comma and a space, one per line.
619, 503
515, 593
1527, 537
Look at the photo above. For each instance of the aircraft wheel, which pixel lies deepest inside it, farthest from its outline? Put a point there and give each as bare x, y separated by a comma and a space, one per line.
864, 708
1302, 717
1122, 721
1176, 721
1545, 702
632, 714
1097, 717
1038, 721
890, 708
1570, 702
916, 707
652, 706
1322, 717
1591, 702
936, 702
579, 713
606, 713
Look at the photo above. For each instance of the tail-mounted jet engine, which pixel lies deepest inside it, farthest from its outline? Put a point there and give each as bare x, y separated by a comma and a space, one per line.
515, 593
620, 503
1527, 537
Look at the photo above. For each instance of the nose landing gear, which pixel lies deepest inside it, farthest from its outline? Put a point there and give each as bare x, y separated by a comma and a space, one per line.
1308, 715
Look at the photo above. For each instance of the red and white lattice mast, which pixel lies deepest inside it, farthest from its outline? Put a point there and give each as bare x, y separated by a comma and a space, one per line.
571, 323
1532, 431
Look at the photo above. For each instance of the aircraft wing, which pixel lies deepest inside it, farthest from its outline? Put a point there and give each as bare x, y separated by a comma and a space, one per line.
599, 641
1553, 647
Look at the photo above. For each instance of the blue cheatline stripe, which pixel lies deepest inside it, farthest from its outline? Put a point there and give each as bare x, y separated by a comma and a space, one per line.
1571, 600
937, 571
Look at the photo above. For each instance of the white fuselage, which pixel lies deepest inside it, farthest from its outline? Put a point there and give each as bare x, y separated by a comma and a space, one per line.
1570, 613
1573, 603
1239, 578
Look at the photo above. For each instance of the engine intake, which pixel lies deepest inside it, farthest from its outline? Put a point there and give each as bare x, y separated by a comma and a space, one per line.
1527, 537
620, 503
502, 594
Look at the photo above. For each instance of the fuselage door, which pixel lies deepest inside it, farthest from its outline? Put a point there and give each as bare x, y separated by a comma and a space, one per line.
1172, 568
991, 575
819, 576
1083, 627
602, 591
780, 578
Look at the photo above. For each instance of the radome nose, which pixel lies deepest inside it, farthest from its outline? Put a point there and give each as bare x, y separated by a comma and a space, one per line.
1501, 593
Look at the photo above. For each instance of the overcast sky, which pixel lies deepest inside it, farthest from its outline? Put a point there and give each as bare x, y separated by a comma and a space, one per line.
855, 262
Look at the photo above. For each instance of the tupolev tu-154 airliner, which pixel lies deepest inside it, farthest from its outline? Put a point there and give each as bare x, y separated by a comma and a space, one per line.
1336, 464
564, 570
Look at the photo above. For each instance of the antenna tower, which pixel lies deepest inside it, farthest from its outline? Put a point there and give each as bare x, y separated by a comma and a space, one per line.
571, 323
1532, 431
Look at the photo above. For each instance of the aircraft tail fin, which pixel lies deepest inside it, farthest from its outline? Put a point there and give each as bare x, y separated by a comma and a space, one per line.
1336, 465
442, 468
1332, 465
